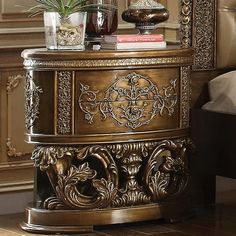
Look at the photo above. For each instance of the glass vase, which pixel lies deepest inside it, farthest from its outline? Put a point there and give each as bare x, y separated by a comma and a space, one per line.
102, 22
66, 33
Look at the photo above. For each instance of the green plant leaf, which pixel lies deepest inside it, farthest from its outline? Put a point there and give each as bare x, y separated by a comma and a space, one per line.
67, 7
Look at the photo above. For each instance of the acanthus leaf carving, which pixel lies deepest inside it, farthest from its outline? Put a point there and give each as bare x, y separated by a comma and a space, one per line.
166, 172
78, 187
87, 177
69, 193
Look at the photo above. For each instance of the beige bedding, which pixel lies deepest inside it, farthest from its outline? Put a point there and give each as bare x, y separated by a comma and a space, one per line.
222, 92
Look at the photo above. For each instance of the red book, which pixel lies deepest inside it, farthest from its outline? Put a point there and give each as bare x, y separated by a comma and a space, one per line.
127, 38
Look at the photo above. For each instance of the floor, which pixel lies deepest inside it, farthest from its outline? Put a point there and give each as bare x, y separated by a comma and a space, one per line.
219, 220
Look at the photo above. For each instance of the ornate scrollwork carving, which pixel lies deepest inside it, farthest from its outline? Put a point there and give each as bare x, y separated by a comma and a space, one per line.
88, 177
131, 155
186, 23
132, 101
69, 195
64, 102
48, 156
123, 149
185, 96
132, 194
88, 102
204, 36
11, 150
78, 187
198, 27
166, 173
13, 82
31, 101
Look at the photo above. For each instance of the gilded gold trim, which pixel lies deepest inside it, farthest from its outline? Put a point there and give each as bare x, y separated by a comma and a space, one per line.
184, 96
64, 104
186, 23
73, 104
107, 63
55, 101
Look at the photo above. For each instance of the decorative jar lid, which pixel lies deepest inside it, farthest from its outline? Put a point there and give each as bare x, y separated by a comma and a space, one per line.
145, 4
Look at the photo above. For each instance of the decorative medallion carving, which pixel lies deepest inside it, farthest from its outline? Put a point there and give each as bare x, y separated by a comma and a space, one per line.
185, 96
113, 175
31, 101
186, 23
13, 81
64, 101
131, 101
204, 34
107, 63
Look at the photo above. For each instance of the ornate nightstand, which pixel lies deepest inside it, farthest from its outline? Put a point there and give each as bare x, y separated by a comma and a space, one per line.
111, 130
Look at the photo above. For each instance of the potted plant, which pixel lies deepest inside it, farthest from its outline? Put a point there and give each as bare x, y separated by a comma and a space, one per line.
65, 21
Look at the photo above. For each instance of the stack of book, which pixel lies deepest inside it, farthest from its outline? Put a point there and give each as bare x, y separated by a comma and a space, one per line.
130, 41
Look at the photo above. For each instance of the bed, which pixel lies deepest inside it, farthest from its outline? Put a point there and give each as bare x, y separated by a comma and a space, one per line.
214, 118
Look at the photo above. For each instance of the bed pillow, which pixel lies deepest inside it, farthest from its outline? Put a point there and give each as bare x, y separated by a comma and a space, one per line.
222, 91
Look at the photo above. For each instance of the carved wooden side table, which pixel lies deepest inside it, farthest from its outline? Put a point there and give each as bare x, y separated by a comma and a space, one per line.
111, 130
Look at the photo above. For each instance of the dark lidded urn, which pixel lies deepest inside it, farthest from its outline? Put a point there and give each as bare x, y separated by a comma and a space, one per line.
145, 14
102, 22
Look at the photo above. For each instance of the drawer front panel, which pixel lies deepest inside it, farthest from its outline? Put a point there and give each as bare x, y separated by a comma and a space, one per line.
126, 101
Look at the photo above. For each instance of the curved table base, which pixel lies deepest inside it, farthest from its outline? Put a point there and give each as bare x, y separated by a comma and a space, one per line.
66, 221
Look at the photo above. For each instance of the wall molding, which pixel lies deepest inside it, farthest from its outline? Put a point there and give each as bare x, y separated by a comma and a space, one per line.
29, 30
16, 176
26, 30
16, 165
13, 82
17, 186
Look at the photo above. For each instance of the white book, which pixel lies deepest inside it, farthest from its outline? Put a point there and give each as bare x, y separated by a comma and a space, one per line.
134, 45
